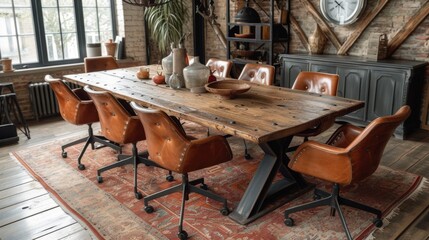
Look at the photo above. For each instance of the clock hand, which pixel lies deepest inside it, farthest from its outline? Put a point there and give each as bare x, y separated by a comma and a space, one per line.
339, 4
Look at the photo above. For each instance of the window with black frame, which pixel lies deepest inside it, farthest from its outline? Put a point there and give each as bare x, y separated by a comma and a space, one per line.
36, 33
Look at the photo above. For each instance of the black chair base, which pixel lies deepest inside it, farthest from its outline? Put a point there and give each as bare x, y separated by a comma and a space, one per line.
186, 187
91, 139
334, 201
134, 159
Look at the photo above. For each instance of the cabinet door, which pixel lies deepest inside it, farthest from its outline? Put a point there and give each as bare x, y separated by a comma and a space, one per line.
291, 69
326, 68
353, 84
385, 92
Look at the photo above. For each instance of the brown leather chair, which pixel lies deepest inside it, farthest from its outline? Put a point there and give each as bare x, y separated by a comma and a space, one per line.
102, 63
350, 155
221, 68
172, 149
320, 83
77, 108
119, 124
258, 73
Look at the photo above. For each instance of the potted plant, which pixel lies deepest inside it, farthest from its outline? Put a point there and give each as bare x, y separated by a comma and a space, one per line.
166, 23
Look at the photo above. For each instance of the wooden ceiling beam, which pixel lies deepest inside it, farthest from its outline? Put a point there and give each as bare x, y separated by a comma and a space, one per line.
366, 20
407, 29
322, 24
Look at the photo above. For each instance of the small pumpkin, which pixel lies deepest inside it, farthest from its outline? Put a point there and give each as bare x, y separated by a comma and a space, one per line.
159, 78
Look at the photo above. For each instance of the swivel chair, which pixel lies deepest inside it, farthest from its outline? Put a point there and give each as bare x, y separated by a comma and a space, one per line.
258, 73
120, 125
77, 108
350, 155
102, 63
172, 149
221, 68
320, 83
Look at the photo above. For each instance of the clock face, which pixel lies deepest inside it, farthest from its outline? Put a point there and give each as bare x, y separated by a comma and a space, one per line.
342, 12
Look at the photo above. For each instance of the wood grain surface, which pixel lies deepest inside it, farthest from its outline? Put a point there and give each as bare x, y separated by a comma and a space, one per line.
262, 114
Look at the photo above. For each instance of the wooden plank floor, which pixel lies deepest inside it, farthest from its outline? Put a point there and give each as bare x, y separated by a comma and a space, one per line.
28, 212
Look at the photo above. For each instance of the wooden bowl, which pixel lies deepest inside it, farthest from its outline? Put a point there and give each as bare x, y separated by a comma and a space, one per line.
228, 89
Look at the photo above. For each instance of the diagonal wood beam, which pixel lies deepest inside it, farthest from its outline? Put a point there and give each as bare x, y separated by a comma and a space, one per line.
406, 30
366, 20
298, 30
322, 24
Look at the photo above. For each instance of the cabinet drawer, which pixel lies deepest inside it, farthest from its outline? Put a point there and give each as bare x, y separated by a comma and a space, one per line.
353, 84
385, 92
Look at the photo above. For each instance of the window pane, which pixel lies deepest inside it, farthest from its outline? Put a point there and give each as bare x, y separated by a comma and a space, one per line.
22, 3
68, 22
104, 3
24, 20
7, 20
54, 47
28, 48
51, 21
9, 48
89, 3
17, 34
90, 18
71, 50
5, 3
49, 3
66, 3
105, 19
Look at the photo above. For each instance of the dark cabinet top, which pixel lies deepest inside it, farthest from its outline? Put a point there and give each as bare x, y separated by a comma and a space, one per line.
389, 63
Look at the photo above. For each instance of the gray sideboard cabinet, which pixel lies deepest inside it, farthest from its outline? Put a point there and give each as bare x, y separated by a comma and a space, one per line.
384, 85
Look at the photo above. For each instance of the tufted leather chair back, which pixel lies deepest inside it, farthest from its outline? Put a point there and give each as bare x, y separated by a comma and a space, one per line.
75, 105
172, 149
317, 82
258, 73
222, 67
351, 154
117, 124
93, 64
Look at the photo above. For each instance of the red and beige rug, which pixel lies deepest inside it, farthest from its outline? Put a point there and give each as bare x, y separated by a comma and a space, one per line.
111, 211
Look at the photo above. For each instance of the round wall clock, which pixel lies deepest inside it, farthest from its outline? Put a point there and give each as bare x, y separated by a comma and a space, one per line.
342, 12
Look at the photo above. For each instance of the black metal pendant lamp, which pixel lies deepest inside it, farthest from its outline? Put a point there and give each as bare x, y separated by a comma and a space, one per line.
146, 3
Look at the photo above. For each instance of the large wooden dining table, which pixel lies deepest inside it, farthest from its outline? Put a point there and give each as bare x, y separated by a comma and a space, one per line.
266, 115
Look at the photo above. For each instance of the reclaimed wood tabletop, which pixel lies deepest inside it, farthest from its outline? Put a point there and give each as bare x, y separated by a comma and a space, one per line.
262, 114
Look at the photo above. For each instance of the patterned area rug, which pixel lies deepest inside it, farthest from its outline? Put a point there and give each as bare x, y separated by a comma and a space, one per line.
112, 212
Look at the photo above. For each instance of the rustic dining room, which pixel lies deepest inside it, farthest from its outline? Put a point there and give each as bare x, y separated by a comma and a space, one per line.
206, 119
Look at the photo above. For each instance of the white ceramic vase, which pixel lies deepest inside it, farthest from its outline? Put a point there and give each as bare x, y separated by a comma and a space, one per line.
196, 75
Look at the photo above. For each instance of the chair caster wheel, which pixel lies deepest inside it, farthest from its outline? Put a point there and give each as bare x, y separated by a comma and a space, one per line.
289, 222
182, 235
81, 167
148, 209
64, 154
378, 222
247, 156
99, 179
224, 211
204, 186
170, 178
316, 197
138, 195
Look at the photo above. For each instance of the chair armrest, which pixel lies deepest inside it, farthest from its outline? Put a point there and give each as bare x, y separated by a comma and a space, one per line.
323, 161
206, 152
